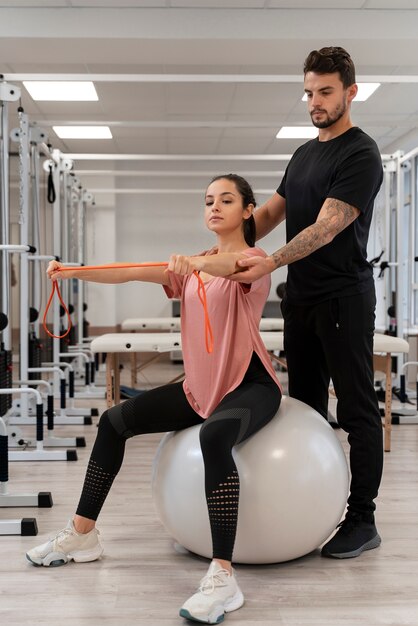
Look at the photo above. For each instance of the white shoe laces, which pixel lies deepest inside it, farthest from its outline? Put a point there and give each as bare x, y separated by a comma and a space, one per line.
211, 581
67, 532
63, 534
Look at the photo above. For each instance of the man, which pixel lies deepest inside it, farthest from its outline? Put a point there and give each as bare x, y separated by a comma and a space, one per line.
326, 197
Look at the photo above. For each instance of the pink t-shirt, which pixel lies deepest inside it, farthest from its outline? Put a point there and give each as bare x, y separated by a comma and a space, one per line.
234, 312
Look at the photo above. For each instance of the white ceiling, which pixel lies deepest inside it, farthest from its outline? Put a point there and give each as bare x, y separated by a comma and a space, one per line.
245, 58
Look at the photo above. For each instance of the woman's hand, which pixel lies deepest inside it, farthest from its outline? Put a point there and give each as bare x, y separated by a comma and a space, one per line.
221, 264
180, 264
53, 271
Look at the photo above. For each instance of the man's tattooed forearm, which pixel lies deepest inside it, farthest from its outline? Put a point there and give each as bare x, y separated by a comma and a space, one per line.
338, 216
302, 245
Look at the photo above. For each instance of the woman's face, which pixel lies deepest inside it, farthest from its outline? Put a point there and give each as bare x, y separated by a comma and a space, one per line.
224, 211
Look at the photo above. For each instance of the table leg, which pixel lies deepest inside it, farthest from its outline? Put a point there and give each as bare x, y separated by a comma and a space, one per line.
109, 379
388, 402
134, 377
116, 378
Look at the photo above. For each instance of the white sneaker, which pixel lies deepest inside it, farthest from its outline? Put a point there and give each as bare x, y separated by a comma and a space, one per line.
218, 594
66, 546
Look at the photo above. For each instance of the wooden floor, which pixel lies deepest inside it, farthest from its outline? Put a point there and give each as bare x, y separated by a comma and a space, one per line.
143, 579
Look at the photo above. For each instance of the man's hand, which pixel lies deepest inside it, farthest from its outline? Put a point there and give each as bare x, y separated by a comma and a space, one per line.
253, 268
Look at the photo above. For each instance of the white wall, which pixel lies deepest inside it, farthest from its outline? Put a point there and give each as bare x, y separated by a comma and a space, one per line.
101, 249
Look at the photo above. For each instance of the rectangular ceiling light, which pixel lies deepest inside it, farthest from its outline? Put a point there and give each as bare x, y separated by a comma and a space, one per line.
365, 90
82, 132
55, 90
297, 132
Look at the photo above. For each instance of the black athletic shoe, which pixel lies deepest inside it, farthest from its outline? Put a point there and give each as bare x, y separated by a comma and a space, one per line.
354, 536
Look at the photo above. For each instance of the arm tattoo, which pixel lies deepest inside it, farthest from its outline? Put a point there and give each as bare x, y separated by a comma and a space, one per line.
334, 216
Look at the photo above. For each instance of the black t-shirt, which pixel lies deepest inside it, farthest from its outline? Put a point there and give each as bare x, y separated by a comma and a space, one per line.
347, 168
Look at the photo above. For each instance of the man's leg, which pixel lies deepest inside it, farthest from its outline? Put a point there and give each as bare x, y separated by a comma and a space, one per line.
307, 368
346, 327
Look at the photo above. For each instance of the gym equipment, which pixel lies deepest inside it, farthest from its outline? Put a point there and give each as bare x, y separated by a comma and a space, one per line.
293, 487
393, 244
23, 526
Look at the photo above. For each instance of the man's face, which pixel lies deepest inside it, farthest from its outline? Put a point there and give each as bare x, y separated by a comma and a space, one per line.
327, 98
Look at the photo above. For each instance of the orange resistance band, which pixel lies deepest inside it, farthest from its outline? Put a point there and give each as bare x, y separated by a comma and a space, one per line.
201, 292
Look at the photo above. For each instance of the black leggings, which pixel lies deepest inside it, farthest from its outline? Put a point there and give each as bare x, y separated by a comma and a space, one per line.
241, 413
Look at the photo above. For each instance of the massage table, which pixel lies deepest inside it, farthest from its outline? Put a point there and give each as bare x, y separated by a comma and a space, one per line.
138, 324
116, 343
170, 324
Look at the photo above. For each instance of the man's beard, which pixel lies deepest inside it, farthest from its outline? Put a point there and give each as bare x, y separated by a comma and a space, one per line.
330, 119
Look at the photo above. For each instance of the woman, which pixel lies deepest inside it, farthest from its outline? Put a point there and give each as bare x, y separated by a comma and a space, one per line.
232, 392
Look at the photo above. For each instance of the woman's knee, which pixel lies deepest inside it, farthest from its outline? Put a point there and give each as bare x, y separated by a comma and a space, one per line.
208, 435
113, 419
218, 435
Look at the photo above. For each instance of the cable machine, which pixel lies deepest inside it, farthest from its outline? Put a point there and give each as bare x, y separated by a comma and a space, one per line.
24, 526
394, 228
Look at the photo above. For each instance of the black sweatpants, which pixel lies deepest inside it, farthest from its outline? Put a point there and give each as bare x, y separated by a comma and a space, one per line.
334, 339
241, 413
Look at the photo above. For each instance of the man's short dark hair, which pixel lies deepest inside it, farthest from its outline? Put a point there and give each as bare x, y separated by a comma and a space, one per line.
330, 60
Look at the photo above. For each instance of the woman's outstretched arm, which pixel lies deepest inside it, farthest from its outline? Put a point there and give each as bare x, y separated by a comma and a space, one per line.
112, 275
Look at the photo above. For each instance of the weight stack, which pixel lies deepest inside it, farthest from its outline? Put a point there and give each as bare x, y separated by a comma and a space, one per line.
5, 379
35, 355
